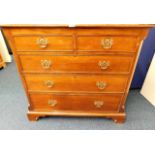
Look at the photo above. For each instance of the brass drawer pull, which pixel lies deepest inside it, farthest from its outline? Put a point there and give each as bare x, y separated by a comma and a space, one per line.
104, 64
49, 84
98, 104
101, 85
52, 103
107, 43
46, 64
42, 42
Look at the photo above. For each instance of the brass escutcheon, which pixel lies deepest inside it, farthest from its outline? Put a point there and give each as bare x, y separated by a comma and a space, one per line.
104, 64
101, 85
42, 42
52, 102
107, 43
98, 104
49, 84
46, 64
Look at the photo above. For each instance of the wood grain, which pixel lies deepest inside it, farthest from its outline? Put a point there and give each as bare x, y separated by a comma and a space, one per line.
75, 83
76, 103
74, 54
54, 43
92, 43
76, 64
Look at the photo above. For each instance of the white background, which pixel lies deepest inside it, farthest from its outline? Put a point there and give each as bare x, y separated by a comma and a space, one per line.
77, 12
77, 143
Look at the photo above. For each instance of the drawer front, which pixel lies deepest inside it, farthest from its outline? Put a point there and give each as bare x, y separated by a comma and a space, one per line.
85, 103
114, 43
35, 43
78, 64
76, 83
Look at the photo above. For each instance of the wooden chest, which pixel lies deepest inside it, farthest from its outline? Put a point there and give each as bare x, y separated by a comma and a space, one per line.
76, 71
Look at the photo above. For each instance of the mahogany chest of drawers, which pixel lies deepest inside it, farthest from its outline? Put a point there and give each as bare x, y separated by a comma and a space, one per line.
76, 71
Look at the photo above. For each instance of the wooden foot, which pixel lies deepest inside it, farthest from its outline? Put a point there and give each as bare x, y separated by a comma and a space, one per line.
119, 119
32, 117
35, 115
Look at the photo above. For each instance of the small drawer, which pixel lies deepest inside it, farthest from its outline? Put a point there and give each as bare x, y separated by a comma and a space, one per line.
85, 103
45, 43
110, 43
77, 64
76, 83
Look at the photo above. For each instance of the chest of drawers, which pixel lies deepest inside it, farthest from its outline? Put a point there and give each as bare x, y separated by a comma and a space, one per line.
81, 71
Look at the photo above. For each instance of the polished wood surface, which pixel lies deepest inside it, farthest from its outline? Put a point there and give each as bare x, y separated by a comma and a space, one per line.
76, 83
54, 43
80, 64
65, 31
95, 43
78, 71
85, 103
91, 43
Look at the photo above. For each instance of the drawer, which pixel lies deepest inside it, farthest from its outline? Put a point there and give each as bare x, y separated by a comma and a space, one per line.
76, 83
37, 43
85, 103
78, 64
112, 43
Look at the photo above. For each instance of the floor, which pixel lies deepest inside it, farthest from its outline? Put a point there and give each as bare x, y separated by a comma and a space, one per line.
13, 108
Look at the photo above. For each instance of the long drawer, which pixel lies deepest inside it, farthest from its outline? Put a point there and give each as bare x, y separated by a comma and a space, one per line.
78, 64
86, 103
76, 83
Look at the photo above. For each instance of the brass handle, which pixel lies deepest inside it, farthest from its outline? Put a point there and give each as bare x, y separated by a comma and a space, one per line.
49, 84
42, 42
104, 64
52, 102
46, 64
98, 104
101, 85
107, 43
